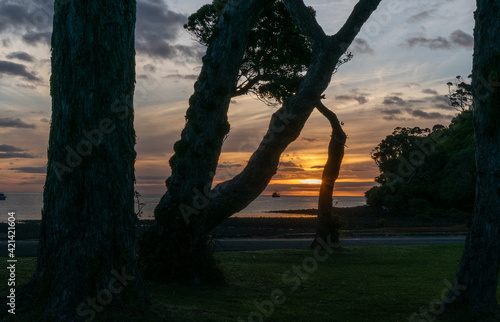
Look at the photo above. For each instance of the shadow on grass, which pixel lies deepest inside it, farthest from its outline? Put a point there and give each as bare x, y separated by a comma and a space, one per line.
374, 283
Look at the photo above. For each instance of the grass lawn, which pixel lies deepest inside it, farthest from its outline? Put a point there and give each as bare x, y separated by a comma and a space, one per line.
373, 283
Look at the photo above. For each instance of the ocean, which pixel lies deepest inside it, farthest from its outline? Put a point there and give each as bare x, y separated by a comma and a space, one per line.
27, 206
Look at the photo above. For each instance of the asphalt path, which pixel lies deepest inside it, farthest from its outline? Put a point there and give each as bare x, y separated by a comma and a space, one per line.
249, 244
29, 248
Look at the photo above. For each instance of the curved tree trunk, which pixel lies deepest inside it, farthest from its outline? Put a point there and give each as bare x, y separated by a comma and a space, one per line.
329, 224
190, 210
476, 279
176, 247
88, 222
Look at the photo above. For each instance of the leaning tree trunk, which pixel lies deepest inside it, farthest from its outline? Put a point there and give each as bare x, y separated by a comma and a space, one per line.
190, 210
329, 224
476, 279
87, 233
176, 247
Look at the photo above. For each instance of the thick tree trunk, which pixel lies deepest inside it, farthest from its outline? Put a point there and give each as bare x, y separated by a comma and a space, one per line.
329, 224
87, 242
476, 279
190, 210
176, 247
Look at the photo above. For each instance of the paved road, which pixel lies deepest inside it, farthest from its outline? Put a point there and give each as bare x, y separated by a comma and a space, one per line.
240, 244
29, 248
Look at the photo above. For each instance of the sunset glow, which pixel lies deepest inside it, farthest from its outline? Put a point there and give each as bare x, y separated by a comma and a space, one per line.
396, 78
310, 181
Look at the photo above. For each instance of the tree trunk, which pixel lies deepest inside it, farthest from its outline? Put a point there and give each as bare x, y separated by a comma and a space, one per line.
176, 247
476, 279
87, 242
190, 210
329, 224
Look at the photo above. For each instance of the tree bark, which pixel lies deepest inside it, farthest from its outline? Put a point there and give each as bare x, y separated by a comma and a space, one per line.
87, 242
176, 248
476, 278
190, 210
329, 224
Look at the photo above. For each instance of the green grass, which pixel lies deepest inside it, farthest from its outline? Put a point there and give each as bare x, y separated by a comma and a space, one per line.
375, 283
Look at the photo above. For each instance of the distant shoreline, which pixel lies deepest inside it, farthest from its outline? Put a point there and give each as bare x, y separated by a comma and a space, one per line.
357, 219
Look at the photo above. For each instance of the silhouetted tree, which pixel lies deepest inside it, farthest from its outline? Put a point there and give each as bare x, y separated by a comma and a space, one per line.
86, 257
190, 209
330, 224
460, 95
428, 172
274, 63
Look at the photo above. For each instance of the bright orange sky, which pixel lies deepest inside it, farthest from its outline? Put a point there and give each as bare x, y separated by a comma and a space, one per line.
403, 58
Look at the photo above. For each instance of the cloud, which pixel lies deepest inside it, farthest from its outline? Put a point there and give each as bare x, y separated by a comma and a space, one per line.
462, 39
440, 101
44, 120
30, 169
431, 43
157, 28
410, 85
21, 55
34, 38
395, 118
228, 165
361, 46
429, 91
290, 166
28, 86
392, 114
182, 77
391, 111
16, 123
458, 38
419, 16
429, 116
32, 19
10, 148
11, 14
354, 96
10, 68
310, 140
394, 100
16, 155
149, 68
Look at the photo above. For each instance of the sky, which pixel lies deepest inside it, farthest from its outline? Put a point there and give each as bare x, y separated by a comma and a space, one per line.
403, 58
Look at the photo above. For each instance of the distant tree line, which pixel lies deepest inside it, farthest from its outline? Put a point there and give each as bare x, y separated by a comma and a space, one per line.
427, 172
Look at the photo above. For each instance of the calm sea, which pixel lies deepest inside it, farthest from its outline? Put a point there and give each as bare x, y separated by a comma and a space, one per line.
27, 206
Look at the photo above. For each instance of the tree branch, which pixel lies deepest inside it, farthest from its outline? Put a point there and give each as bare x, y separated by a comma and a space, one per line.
306, 22
359, 15
242, 90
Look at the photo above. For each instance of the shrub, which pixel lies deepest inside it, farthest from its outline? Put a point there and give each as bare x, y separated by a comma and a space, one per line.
423, 218
382, 222
375, 197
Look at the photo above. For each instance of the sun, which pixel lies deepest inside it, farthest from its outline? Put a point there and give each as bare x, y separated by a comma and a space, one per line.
310, 181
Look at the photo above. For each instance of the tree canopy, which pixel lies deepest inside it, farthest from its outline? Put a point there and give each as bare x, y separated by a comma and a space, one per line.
427, 171
277, 53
